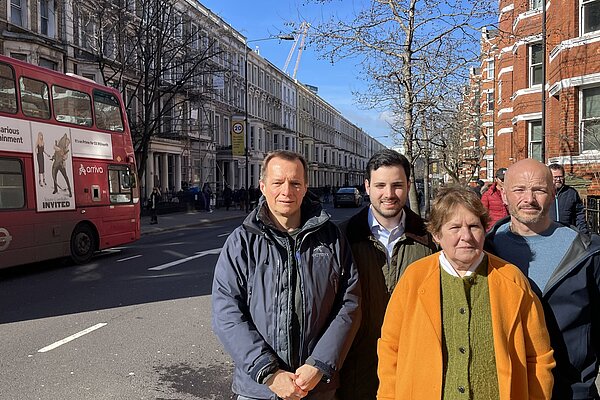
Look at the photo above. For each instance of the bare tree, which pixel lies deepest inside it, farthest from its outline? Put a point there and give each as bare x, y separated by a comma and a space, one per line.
160, 60
406, 47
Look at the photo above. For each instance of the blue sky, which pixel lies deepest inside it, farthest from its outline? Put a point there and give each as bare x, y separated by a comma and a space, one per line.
257, 19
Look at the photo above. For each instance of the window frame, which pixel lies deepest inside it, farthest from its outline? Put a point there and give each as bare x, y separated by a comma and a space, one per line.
530, 142
583, 119
122, 190
583, 6
3, 187
533, 67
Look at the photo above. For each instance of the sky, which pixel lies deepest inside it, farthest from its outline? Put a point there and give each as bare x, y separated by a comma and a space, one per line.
258, 19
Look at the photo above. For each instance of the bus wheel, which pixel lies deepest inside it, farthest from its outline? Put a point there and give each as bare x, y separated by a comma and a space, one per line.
83, 244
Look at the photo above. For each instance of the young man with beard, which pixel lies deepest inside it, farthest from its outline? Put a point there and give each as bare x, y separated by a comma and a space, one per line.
385, 238
563, 267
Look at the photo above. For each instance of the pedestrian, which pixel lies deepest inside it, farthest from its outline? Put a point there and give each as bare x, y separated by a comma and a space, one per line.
462, 323
492, 199
207, 194
476, 188
385, 237
567, 206
563, 266
153, 205
285, 298
227, 196
243, 198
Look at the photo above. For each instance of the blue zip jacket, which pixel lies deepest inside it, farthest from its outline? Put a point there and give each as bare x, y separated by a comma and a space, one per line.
571, 301
252, 301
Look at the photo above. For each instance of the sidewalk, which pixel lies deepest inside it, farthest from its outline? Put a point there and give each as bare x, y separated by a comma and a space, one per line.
173, 221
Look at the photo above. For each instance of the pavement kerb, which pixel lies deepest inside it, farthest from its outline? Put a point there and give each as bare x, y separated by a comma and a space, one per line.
160, 229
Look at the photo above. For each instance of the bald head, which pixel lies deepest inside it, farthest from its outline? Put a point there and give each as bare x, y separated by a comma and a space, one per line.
529, 165
528, 192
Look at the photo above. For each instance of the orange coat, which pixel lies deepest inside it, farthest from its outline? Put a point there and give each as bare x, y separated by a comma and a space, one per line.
410, 348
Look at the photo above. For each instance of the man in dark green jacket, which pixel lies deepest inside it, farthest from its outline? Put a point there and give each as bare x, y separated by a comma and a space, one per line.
385, 238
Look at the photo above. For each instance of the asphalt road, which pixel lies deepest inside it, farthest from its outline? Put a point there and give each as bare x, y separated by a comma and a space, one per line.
132, 324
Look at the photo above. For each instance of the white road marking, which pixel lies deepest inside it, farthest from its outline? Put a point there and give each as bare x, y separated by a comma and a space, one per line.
224, 234
181, 261
129, 258
72, 337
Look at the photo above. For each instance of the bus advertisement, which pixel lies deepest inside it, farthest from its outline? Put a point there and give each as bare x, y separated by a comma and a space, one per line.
67, 167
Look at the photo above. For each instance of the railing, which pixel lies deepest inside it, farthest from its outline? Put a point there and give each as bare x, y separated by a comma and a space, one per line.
593, 213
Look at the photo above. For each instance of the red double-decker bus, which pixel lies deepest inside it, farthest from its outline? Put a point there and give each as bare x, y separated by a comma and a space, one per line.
67, 167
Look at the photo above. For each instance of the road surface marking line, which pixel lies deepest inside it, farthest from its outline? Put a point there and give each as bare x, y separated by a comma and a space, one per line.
72, 337
129, 258
177, 262
224, 234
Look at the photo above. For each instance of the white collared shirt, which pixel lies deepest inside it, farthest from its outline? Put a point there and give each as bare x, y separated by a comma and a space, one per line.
387, 238
446, 266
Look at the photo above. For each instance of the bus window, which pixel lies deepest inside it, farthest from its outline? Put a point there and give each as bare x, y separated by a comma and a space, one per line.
119, 184
108, 111
71, 106
34, 98
8, 90
12, 192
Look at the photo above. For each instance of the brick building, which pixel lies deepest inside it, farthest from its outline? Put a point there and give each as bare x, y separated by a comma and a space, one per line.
514, 56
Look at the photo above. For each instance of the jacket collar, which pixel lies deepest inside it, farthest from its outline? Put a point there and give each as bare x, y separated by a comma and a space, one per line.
311, 210
414, 227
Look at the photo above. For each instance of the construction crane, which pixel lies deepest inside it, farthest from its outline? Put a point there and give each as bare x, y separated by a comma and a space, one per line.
300, 36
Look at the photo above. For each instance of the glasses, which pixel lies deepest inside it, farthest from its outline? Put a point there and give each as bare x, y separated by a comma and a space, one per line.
558, 178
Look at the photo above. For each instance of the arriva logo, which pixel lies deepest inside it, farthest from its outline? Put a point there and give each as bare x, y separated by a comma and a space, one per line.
93, 169
5, 239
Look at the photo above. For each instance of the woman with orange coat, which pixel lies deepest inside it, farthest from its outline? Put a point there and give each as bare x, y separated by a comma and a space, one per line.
462, 323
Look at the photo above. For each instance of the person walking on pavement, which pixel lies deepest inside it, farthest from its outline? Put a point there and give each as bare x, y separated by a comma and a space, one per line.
563, 266
227, 196
492, 199
385, 238
567, 206
285, 297
207, 194
153, 205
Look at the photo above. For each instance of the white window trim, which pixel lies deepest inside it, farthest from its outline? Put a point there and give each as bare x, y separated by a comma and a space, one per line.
582, 40
505, 70
529, 130
526, 117
530, 64
580, 127
526, 15
504, 131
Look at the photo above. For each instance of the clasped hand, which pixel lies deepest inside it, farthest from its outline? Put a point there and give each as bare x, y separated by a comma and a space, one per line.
293, 386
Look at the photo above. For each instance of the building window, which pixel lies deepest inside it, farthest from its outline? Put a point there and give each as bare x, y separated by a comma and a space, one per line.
47, 18
490, 101
535, 4
489, 169
489, 137
536, 57
535, 140
590, 119
18, 10
490, 69
19, 56
87, 31
590, 15
48, 64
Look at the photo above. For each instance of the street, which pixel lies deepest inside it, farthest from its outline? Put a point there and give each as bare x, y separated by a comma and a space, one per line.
134, 323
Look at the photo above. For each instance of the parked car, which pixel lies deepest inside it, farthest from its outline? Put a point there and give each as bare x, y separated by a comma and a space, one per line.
347, 196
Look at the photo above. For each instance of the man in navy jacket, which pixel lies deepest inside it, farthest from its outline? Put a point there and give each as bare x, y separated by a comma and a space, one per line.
563, 266
567, 206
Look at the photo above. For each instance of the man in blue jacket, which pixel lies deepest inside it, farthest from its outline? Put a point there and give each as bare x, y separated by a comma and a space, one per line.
567, 206
563, 266
285, 298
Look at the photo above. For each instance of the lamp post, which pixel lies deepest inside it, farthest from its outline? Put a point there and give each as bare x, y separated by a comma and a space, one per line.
246, 122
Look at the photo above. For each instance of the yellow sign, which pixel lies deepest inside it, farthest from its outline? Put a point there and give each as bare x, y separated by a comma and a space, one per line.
238, 142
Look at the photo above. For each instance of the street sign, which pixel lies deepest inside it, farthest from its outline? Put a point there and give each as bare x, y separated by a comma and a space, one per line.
238, 138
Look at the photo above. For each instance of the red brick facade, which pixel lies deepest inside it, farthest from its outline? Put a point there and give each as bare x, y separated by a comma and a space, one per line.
572, 86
